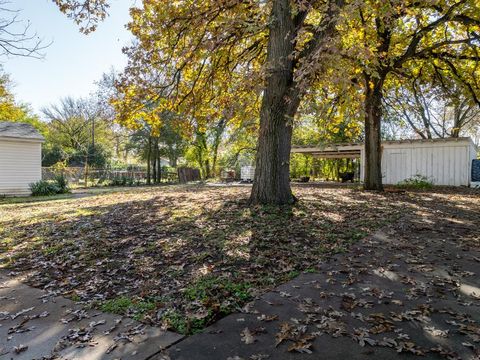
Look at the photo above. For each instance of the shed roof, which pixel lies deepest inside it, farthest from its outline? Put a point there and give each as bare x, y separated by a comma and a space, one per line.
353, 150
21, 131
403, 141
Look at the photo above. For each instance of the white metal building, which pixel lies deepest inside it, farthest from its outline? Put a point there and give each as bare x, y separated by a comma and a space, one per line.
443, 161
20, 158
247, 173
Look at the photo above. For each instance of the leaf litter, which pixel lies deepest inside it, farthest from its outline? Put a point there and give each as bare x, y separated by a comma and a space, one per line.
152, 245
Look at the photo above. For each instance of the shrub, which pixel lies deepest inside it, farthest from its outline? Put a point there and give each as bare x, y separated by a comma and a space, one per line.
130, 181
43, 188
62, 184
416, 182
117, 181
124, 181
47, 188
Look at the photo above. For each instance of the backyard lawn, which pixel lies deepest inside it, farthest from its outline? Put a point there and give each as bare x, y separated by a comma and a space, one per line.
184, 256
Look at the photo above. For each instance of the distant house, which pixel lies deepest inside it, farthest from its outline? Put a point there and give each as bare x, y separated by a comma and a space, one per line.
20, 157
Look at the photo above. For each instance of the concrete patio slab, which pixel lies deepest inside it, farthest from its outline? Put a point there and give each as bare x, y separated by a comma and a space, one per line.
37, 325
409, 296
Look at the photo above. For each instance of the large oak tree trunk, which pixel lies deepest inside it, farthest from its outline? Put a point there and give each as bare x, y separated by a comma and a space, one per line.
373, 147
272, 173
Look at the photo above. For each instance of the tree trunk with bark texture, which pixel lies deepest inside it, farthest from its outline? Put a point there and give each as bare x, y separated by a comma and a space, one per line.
373, 147
159, 162
272, 173
216, 144
149, 155
154, 162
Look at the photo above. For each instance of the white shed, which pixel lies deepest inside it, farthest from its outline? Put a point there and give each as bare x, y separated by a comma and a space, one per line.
247, 173
20, 158
443, 161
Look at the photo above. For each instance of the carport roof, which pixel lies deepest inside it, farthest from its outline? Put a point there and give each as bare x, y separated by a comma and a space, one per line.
21, 131
331, 151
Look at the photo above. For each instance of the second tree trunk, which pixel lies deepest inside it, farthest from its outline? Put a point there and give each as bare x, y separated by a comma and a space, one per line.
373, 148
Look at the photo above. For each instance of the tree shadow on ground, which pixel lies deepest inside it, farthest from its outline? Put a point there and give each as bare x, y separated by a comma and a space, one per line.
199, 253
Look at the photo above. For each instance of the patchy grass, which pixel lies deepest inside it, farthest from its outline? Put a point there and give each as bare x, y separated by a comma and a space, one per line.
116, 306
33, 199
218, 296
125, 306
184, 256
52, 250
416, 182
182, 323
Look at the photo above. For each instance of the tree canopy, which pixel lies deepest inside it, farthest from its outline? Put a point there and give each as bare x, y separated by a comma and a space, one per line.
216, 62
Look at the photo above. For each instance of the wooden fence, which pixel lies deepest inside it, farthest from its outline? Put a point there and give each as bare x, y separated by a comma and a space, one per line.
186, 174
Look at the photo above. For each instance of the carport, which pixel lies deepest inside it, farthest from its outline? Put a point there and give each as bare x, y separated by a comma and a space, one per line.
334, 151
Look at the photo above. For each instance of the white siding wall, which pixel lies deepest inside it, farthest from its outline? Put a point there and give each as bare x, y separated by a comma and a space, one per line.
20, 165
443, 163
363, 164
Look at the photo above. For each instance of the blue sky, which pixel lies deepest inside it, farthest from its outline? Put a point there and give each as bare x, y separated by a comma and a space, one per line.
73, 62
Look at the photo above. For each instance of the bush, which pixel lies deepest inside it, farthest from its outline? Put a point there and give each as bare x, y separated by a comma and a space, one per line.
62, 184
48, 188
416, 182
118, 181
125, 181
44, 188
130, 181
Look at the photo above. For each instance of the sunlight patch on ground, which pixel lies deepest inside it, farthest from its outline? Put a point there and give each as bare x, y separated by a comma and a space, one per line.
204, 270
390, 275
238, 247
334, 216
425, 217
435, 334
458, 221
470, 290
